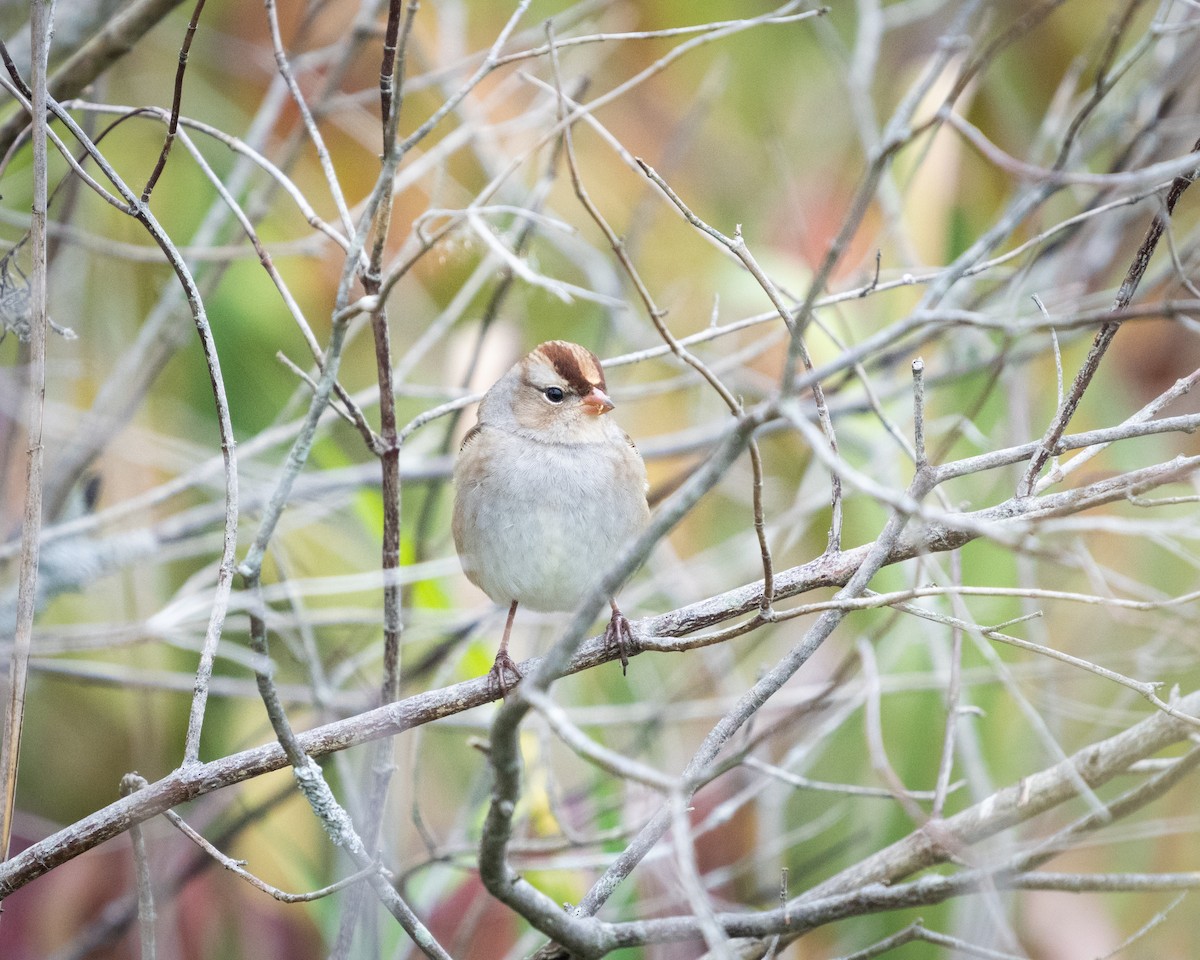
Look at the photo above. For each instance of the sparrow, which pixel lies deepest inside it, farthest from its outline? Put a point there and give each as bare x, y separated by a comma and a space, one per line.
548, 490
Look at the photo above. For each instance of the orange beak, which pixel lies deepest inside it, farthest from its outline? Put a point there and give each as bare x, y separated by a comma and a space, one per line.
597, 402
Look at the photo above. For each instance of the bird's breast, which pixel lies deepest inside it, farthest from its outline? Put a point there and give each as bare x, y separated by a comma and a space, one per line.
545, 521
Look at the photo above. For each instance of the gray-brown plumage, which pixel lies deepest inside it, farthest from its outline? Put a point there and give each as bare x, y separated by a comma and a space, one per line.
548, 490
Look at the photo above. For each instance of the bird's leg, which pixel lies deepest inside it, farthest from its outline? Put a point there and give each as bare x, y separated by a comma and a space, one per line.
504, 665
619, 634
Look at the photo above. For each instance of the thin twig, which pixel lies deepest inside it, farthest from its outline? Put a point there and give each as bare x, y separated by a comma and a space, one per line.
1105, 334
918, 376
130, 783
31, 519
310, 124
387, 447
953, 705
690, 881
176, 101
238, 868
608, 760
873, 721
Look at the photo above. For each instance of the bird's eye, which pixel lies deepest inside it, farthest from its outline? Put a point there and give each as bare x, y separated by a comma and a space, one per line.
554, 394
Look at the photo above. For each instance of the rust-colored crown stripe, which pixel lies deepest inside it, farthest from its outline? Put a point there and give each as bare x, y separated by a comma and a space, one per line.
577, 366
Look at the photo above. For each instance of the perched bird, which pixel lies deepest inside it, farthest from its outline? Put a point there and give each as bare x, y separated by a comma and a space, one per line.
548, 489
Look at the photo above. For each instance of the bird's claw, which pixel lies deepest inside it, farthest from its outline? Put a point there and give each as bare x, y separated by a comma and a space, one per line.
503, 668
618, 635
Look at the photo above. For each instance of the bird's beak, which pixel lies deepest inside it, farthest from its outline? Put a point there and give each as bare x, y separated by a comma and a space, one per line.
597, 402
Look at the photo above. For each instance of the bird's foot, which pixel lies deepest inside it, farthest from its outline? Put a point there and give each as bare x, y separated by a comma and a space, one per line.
618, 635
504, 675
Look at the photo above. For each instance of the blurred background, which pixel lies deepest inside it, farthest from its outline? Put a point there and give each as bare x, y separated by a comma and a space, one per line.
766, 125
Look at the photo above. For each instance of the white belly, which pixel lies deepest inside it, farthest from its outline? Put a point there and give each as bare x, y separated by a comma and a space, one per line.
544, 544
